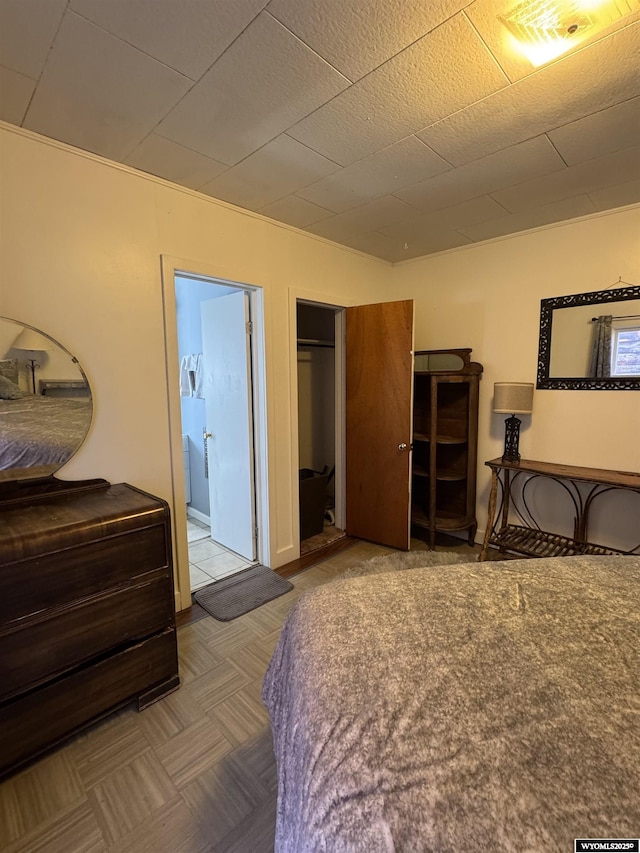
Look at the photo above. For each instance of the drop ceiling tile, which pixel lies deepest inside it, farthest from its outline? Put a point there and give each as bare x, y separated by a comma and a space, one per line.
433, 240
559, 93
356, 37
513, 165
100, 94
373, 216
616, 196
600, 133
15, 93
397, 250
379, 174
26, 32
593, 175
546, 215
278, 169
376, 244
185, 36
450, 218
441, 73
484, 15
250, 95
415, 240
167, 159
295, 211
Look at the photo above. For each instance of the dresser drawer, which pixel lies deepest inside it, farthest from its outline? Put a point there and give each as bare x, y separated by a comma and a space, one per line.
52, 579
43, 717
46, 645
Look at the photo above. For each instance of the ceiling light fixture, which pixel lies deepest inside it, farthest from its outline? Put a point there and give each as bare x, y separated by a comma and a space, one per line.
545, 29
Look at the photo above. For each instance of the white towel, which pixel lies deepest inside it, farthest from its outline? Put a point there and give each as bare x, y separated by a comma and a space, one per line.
185, 379
198, 385
189, 370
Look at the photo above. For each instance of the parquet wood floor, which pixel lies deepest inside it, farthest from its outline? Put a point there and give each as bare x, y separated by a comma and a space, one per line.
193, 773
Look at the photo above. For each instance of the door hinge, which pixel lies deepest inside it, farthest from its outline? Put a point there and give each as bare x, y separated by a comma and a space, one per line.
249, 327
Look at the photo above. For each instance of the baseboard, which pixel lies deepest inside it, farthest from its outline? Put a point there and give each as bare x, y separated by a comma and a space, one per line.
199, 516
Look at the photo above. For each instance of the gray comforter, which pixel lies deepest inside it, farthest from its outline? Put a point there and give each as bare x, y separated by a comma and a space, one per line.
486, 706
37, 430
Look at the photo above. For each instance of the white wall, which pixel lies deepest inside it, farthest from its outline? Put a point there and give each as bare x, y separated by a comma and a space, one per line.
488, 297
81, 246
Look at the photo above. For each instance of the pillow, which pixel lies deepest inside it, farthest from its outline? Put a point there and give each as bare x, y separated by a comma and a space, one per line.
9, 369
9, 390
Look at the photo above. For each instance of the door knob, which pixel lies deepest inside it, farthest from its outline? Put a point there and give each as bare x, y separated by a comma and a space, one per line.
206, 435
402, 446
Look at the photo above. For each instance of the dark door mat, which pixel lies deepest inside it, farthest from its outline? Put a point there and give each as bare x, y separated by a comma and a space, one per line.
232, 597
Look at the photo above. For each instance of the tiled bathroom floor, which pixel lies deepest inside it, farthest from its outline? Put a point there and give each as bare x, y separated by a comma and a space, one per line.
209, 561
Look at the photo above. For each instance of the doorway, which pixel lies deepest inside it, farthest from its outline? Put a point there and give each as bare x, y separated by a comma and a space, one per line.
320, 428
214, 342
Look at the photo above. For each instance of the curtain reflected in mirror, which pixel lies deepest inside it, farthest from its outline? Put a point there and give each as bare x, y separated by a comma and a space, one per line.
600, 363
590, 341
45, 403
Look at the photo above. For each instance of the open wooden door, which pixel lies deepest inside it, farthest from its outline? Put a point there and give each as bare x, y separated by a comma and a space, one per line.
379, 399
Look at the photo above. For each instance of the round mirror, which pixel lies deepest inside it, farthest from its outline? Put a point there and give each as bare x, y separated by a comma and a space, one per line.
45, 403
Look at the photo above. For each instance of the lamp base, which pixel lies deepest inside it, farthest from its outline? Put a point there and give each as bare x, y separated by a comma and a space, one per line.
511, 439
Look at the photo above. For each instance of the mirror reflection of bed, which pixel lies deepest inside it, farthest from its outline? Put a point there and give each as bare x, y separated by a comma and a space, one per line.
45, 403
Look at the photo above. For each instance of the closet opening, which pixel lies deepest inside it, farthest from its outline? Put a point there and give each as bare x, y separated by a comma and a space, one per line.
320, 430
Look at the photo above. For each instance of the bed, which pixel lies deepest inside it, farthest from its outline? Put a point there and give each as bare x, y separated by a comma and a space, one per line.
483, 706
42, 432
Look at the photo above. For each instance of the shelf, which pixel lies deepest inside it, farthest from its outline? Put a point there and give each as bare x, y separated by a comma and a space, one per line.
440, 439
419, 471
540, 543
451, 476
444, 521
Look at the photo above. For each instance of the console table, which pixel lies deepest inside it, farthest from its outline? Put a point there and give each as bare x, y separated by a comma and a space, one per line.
527, 538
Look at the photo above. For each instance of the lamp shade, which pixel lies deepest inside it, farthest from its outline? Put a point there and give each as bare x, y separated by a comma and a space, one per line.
513, 398
29, 339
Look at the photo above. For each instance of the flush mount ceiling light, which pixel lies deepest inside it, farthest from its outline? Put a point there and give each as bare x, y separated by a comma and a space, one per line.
545, 29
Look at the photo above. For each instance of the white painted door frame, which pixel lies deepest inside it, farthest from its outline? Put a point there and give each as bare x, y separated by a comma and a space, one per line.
202, 271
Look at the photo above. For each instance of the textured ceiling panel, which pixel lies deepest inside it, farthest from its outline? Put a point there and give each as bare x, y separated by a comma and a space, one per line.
251, 94
585, 82
546, 215
295, 211
98, 93
381, 173
453, 218
15, 93
344, 118
275, 171
505, 168
356, 37
186, 36
167, 159
599, 133
441, 73
593, 175
26, 32
618, 196
373, 216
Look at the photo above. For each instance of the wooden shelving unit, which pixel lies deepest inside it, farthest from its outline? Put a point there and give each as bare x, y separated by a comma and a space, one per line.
445, 437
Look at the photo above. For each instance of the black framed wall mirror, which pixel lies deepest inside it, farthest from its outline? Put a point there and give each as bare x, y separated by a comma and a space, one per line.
45, 403
591, 341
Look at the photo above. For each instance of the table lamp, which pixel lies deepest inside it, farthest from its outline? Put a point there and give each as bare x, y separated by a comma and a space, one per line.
32, 343
512, 398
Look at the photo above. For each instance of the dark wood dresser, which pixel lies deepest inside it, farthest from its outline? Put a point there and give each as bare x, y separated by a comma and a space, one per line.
87, 612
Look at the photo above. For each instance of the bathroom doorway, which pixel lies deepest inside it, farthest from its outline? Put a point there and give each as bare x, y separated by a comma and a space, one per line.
215, 353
